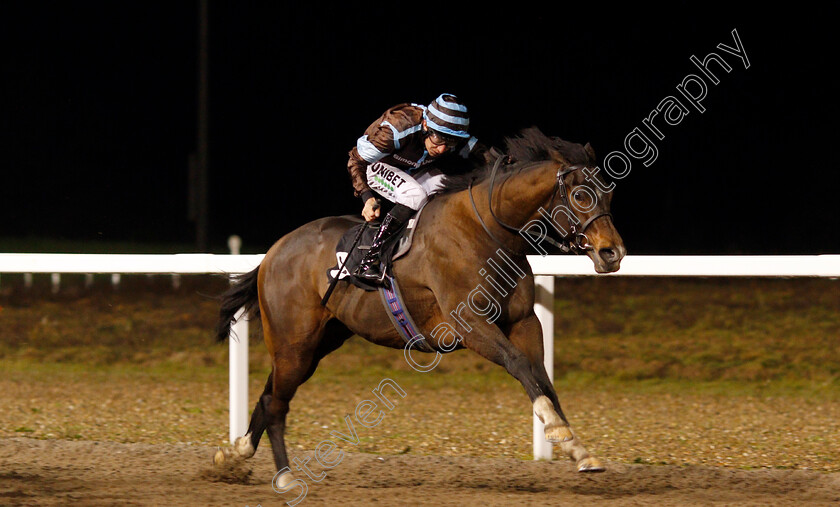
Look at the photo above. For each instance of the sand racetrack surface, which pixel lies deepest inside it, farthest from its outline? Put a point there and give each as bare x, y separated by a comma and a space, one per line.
691, 392
56, 472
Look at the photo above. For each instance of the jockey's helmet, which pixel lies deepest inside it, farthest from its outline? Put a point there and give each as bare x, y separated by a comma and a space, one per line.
448, 117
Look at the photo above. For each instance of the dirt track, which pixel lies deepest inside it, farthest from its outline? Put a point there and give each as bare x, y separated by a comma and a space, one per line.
102, 433
54, 472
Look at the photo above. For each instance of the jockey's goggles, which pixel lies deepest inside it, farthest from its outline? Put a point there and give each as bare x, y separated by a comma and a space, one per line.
440, 140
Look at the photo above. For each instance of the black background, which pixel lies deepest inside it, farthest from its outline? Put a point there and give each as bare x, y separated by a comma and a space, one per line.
98, 113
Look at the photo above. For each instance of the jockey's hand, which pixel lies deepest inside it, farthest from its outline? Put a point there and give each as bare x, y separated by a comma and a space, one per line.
371, 209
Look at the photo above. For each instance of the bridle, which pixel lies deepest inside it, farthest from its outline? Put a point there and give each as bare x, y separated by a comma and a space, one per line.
575, 241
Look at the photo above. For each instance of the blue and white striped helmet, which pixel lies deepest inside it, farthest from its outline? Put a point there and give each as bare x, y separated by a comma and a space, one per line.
447, 116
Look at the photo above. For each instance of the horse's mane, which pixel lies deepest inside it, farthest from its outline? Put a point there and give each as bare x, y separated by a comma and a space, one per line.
530, 146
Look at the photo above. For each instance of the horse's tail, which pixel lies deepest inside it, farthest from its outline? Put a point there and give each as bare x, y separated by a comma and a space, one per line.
242, 294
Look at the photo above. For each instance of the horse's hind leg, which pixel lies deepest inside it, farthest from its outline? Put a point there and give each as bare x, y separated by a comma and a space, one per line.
246, 445
331, 337
292, 367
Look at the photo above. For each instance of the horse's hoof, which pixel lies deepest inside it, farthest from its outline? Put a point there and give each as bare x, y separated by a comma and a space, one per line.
558, 433
281, 481
243, 446
220, 457
590, 465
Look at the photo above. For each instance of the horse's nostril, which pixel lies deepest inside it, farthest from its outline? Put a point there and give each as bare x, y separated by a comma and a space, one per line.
607, 254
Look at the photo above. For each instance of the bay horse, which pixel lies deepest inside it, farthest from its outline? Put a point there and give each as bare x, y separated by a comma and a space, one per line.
481, 215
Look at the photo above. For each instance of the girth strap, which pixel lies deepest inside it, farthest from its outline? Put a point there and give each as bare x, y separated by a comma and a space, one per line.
398, 313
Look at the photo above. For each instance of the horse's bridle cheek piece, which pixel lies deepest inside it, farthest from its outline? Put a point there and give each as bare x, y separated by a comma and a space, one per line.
577, 239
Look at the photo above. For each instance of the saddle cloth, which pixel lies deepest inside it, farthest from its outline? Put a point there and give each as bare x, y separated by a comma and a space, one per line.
395, 247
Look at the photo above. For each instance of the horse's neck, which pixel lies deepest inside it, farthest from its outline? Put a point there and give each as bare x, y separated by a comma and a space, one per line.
516, 199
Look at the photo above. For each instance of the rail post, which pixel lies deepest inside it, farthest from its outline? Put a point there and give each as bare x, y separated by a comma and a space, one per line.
238, 365
544, 308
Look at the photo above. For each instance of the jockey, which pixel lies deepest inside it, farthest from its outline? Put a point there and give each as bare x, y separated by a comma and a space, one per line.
394, 158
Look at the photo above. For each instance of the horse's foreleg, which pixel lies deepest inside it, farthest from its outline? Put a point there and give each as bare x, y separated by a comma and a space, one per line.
526, 336
559, 432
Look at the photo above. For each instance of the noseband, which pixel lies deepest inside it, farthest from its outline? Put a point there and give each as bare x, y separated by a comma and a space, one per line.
575, 241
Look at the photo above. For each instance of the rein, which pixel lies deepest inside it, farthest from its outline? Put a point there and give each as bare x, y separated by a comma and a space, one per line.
576, 241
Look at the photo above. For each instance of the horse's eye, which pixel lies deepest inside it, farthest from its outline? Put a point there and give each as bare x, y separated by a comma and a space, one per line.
579, 196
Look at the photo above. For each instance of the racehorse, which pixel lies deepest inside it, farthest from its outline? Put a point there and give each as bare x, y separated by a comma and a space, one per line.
491, 213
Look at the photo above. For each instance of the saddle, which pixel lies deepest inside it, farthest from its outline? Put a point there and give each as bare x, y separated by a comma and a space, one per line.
395, 247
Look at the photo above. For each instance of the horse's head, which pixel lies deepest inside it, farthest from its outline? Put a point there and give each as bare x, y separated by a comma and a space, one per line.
553, 181
581, 211
578, 206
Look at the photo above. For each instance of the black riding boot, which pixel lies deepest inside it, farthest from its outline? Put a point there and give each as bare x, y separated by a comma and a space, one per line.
369, 266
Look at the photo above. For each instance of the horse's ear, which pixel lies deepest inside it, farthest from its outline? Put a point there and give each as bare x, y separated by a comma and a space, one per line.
590, 151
